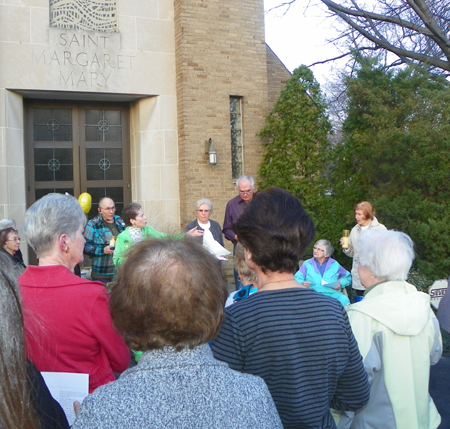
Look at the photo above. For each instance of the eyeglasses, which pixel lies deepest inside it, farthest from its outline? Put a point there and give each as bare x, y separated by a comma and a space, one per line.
203, 211
248, 191
108, 209
15, 240
320, 250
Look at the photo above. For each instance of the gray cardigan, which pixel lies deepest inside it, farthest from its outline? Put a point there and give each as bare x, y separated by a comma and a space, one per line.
187, 389
215, 229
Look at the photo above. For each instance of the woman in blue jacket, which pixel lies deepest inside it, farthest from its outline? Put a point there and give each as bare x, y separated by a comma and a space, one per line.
323, 274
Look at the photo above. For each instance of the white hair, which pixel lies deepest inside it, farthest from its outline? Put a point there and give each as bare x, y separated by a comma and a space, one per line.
249, 178
328, 248
204, 201
7, 223
50, 217
387, 254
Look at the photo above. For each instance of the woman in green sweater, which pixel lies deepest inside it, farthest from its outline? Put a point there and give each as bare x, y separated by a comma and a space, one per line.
136, 231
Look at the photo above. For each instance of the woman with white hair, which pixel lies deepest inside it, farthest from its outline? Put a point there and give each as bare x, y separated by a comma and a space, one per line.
398, 337
211, 238
67, 322
324, 274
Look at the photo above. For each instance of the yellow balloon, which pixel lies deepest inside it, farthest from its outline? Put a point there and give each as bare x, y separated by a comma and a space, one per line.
85, 201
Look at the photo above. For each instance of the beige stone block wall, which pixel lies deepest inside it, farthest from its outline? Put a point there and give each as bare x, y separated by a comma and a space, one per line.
154, 161
277, 74
186, 58
140, 59
220, 52
12, 159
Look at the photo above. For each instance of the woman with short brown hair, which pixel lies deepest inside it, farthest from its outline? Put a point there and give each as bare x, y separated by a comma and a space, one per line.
9, 246
168, 302
297, 340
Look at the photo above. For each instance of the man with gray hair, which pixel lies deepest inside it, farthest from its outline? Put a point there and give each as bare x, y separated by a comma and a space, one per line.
246, 188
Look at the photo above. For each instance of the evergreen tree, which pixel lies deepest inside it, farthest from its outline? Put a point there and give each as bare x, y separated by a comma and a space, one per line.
396, 153
296, 142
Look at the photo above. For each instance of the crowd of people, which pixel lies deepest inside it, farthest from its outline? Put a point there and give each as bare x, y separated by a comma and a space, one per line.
286, 349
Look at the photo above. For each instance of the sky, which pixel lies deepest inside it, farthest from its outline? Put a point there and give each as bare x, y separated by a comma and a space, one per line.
300, 36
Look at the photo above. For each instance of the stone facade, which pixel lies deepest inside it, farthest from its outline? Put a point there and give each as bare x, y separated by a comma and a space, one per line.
173, 64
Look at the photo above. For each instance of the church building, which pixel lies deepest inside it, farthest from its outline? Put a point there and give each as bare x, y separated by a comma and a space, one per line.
153, 101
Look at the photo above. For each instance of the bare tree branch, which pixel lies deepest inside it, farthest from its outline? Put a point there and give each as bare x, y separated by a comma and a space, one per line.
417, 31
362, 48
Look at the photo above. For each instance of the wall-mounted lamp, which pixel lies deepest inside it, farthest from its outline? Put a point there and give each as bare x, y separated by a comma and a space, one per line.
211, 150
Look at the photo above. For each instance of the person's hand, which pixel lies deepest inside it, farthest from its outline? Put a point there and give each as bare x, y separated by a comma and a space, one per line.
341, 242
306, 284
76, 407
194, 232
107, 250
338, 287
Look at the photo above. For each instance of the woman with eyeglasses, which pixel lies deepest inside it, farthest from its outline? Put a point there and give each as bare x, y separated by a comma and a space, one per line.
10, 243
67, 322
324, 274
211, 237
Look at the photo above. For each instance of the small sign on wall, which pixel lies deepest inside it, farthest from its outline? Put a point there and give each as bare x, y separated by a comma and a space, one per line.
437, 291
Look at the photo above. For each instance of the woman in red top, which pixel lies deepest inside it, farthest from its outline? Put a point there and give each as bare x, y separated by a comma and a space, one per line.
67, 322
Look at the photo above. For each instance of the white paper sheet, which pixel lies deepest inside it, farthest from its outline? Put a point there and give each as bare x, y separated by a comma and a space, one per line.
217, 250
334, 284
66, 388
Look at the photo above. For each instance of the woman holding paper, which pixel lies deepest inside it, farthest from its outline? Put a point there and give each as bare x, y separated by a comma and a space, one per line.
25, 401
67, 322
324, 274
212, 232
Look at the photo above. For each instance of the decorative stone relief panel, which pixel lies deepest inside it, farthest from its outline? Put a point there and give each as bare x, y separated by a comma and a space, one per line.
96, 15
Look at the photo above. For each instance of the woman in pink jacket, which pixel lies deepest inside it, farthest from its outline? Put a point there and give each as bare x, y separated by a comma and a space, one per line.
67, 322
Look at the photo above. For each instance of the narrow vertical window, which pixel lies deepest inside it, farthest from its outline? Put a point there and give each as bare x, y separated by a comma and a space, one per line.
236, 136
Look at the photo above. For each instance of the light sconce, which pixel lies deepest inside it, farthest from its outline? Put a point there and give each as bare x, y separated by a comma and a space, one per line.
211, 150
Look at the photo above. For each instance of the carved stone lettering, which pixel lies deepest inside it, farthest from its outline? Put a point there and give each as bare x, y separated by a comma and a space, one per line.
82, 59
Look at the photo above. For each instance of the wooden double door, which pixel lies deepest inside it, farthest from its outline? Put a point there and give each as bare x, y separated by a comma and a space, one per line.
75, 148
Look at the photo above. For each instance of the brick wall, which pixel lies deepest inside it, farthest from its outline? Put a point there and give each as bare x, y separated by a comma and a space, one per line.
220, 51
277, 74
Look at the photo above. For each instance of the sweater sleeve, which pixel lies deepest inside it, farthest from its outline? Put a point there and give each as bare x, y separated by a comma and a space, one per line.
300, 275
227, 230
345, 278
120, 250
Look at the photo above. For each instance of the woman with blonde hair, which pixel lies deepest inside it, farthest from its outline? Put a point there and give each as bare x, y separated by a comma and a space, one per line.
365, 220
247, 277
